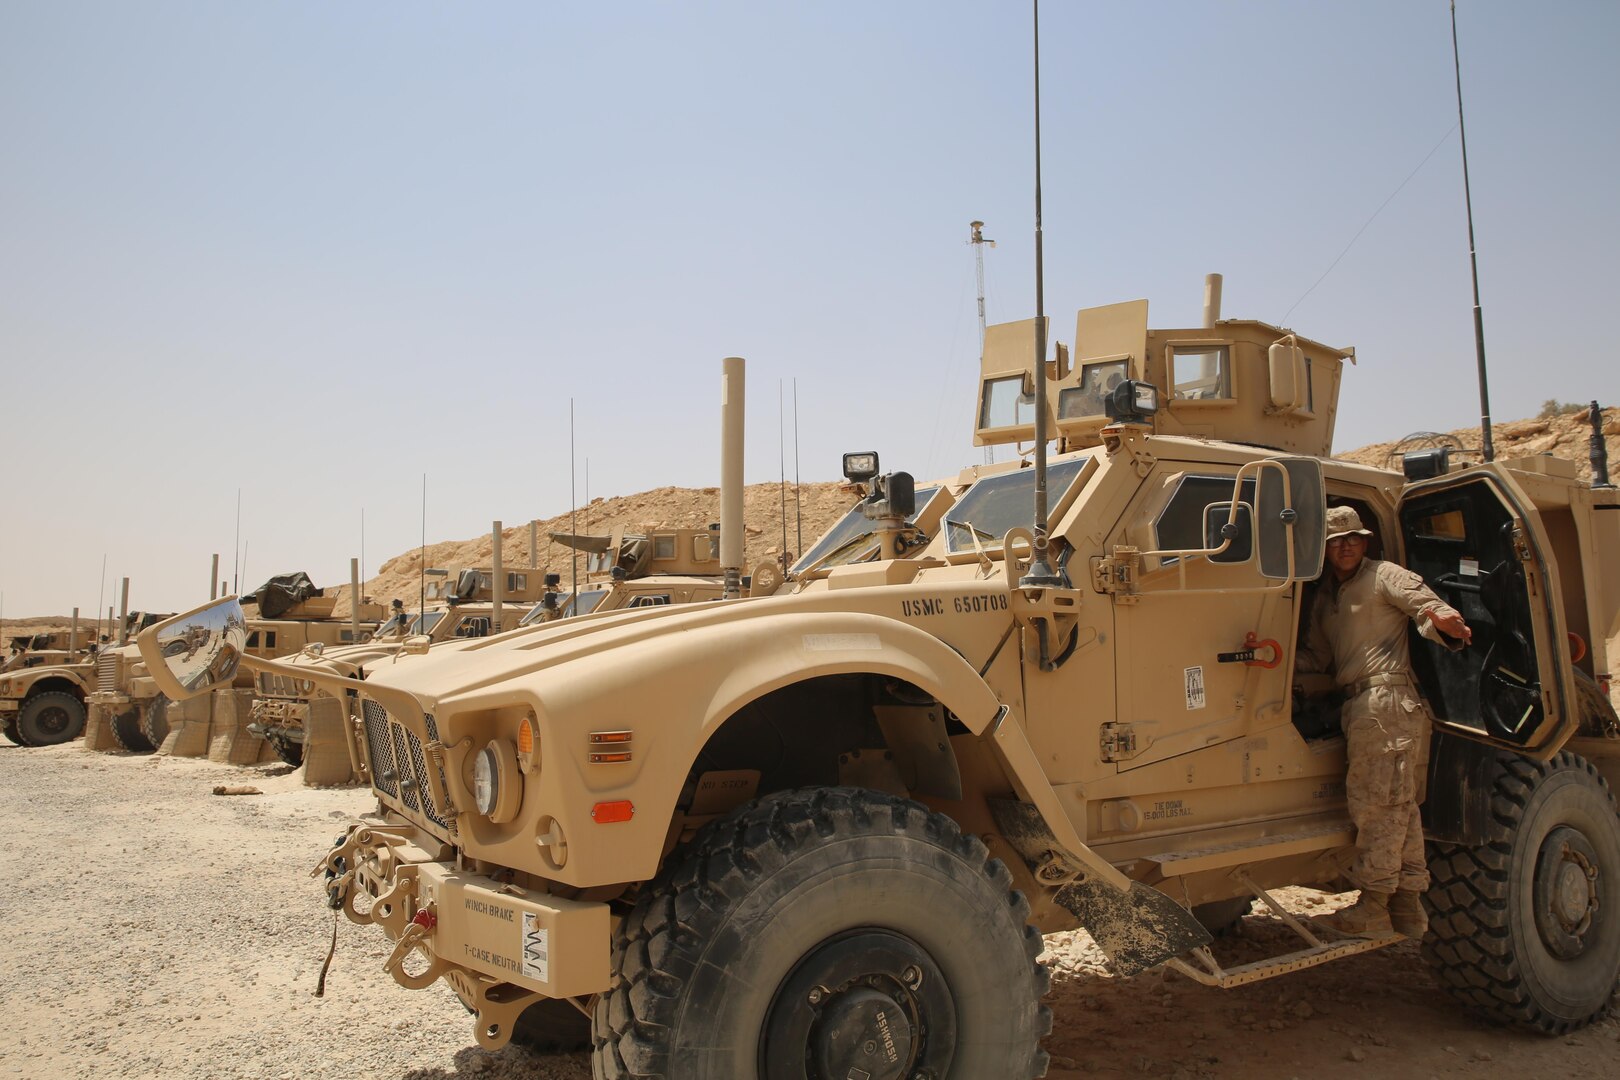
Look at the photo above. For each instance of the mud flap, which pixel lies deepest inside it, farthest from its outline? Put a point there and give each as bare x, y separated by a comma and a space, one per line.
1139, 929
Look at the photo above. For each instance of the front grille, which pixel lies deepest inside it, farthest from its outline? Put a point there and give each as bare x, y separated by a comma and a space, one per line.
398, 763
275, 684
107, 672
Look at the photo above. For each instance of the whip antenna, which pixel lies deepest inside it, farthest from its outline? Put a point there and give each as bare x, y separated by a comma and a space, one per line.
1040, 571
573, 511
421, 611
798, 515
1488, 445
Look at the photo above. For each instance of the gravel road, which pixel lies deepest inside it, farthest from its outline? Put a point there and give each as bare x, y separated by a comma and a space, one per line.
162, 931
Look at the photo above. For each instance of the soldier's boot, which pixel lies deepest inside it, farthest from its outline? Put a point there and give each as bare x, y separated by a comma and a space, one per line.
1406, 914
1367, 917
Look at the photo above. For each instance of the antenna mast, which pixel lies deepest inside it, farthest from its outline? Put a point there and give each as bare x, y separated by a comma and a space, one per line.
1488, 444
979, 243
1040, 573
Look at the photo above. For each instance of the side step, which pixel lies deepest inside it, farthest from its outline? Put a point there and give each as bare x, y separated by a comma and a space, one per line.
1316, 951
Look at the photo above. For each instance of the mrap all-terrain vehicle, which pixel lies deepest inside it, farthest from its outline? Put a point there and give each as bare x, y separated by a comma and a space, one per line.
818, 833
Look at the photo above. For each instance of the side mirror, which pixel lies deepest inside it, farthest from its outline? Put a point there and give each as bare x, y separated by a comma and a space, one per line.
1291, 518
193, 653
1217, 520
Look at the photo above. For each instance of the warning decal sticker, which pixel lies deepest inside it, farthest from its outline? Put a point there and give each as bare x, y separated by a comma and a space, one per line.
1195, 687
536, 954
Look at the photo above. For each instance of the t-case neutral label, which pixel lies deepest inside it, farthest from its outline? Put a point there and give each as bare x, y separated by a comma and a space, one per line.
536, 952
1195, 687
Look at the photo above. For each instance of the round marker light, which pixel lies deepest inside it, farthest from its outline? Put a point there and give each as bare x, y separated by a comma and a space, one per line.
528, 744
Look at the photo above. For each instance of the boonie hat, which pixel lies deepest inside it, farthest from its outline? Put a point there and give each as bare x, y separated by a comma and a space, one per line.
1342, 521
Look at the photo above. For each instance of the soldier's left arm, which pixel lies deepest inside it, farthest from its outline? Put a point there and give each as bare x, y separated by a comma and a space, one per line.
1434, 617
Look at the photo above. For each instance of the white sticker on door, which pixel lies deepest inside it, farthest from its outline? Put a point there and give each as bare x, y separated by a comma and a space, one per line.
1195, 687
536, 954
1468, 568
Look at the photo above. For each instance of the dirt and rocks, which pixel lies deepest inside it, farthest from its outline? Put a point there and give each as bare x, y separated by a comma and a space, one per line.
167, 932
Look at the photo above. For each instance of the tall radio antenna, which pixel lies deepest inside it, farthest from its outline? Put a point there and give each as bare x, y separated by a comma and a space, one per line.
979, 244
1040, 573
1488, 445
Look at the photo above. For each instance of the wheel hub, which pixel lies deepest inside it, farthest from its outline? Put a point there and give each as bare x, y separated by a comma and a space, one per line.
53, 720
867, 1005
1567, 892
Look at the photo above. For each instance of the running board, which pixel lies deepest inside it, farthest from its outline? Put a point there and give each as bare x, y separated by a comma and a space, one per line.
1217, 976
1316, 950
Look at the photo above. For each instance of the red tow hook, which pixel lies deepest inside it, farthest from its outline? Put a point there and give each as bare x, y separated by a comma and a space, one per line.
425, 919
1249, 654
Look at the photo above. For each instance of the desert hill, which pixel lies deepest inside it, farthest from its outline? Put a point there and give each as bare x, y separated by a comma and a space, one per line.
820, 504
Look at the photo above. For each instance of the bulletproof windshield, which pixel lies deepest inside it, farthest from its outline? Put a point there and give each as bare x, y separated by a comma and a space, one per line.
391, 628
844, 537
584, 603
998, 503
424, 624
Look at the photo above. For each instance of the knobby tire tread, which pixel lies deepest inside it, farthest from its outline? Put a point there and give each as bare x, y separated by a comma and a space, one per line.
1470, 944
687, 903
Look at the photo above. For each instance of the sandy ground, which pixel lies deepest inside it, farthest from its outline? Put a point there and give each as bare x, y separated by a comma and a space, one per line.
161, 931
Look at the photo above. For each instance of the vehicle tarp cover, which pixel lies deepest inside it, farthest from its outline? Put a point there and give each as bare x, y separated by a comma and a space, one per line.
282, 593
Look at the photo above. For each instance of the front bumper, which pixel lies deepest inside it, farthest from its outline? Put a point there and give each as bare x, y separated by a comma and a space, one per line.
9, 704
499, 946
280, 716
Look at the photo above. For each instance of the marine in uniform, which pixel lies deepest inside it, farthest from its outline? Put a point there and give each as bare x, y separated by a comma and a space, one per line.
1357, 632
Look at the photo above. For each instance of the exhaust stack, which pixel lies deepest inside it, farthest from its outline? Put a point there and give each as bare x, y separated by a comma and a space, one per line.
123, 616
213, 580
732, 386
498, 579
1212, 300
73, 635
354, 599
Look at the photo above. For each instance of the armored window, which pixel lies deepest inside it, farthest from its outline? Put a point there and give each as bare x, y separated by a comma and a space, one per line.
1005, 404
844, 537
345, 635
584, 603
269, 639
664, 546
1200, 372
703, 549
1089, 396
424, 624
253, 640
998, 503
1180, 527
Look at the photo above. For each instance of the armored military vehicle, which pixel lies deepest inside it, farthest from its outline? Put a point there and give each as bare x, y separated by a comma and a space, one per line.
818, 833
46, 681
43, 682
283, 616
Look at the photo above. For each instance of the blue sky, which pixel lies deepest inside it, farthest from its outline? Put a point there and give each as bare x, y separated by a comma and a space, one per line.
313, 250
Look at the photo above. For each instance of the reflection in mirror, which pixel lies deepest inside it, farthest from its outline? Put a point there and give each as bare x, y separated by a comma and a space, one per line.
202, 649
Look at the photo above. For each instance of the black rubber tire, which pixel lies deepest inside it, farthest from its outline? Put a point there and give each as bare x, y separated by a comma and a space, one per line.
292, 753
551, 1026
126, 731
155, 721
1483, 941
9, 726
762, 893
50, 718
1221, 917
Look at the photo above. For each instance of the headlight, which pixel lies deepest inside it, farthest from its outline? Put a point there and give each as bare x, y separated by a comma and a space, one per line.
496, 783
486, 780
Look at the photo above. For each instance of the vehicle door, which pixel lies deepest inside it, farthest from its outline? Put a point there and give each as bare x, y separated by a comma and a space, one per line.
1475, 540
1203, 647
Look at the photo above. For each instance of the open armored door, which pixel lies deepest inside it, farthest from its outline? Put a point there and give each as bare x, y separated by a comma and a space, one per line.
1472, 540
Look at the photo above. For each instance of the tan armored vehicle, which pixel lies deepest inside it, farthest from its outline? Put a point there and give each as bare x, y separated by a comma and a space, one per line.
817, 834
284, 616
43, 683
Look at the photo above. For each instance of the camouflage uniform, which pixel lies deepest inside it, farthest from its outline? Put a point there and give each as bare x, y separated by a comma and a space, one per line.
1358, 632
